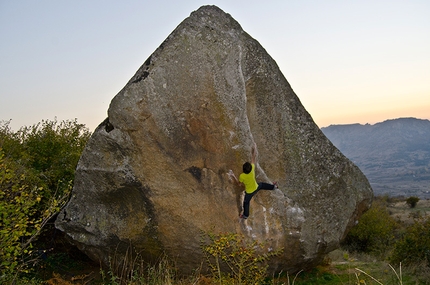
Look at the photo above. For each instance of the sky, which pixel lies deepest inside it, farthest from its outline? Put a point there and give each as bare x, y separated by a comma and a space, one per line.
348, 61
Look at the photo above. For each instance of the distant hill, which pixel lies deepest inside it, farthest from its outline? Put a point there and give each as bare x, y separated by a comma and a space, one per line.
394, 154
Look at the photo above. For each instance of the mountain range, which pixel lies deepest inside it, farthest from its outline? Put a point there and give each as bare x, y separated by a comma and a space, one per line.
394, 154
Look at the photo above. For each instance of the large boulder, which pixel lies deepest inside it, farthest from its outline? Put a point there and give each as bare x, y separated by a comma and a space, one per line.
153, 176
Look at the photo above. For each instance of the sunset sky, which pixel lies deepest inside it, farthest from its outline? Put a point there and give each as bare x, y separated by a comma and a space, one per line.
347, 61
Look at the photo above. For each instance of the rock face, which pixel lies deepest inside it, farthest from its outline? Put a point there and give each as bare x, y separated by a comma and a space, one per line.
153, 175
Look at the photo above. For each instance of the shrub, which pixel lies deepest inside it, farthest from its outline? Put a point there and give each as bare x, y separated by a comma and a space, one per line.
51, 150
17, 209
374, 232
414, 246
230, 253
37, 167
21, 220
412, 201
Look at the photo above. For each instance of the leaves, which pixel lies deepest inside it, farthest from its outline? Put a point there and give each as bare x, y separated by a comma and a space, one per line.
374, 232
16, 211
414, 246
37, 166
243, 259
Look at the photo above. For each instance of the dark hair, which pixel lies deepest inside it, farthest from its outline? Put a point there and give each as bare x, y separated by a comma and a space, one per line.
247, 167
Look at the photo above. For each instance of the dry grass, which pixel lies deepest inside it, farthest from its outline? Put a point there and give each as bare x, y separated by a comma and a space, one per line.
401, 211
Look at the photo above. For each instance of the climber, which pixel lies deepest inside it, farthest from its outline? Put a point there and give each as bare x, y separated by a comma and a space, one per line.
247, 178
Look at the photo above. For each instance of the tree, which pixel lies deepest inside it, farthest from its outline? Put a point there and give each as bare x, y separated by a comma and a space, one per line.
412, 201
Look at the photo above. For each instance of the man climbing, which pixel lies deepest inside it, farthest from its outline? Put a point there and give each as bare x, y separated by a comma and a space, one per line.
247, 178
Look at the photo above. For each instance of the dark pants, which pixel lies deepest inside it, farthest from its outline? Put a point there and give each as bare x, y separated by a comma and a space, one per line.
248, 197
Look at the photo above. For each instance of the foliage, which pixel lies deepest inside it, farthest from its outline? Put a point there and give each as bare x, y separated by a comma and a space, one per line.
230, 252
374, 232
36, 173
412, 201
47, 152
414, 246
17, 201
20, 219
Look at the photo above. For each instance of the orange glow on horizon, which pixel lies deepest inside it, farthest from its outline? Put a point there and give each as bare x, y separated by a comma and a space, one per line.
371, 117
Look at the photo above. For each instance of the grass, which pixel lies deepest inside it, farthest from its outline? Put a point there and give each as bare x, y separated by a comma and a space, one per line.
352, 272
340, 267
401, 211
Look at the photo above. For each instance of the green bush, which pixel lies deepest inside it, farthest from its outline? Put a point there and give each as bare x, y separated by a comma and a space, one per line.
47, 152
37, 166
21, 218
414, 246
17, 215
374, 232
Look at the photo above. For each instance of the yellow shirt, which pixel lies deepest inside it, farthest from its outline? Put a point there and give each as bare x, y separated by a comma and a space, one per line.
249, 180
